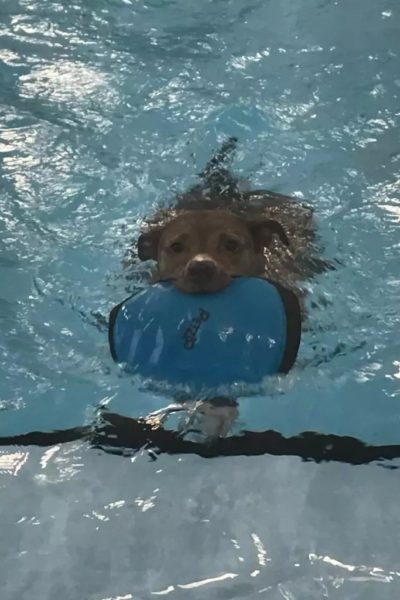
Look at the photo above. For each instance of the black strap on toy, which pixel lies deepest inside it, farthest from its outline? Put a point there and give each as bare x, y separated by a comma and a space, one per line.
293, 326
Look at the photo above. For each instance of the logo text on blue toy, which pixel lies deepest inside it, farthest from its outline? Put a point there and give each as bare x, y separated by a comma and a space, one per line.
191, 332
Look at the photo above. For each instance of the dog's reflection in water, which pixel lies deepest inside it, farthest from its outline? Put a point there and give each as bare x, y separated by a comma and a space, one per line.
200, 420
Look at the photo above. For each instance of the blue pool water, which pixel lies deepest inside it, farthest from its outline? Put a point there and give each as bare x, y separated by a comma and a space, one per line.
107, 109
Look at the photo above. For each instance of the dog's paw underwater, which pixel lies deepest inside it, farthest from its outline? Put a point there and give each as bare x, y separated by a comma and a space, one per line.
204, 341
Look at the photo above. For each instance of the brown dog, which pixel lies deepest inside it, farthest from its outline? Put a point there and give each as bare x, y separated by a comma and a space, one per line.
200, 251
216, 232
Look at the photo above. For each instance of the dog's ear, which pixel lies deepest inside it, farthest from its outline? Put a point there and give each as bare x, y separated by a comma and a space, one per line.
147, 244
263, 230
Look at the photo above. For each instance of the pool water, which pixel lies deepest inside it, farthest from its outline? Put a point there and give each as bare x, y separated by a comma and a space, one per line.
107, 110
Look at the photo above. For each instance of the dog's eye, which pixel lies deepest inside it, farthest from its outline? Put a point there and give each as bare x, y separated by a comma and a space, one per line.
176, 247
232, 245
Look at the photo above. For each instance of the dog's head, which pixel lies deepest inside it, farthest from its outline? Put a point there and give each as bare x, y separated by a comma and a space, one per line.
201, 251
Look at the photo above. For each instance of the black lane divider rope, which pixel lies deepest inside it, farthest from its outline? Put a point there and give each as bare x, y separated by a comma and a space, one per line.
116, 434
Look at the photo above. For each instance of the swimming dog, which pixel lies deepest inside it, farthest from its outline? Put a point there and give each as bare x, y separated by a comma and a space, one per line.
216, 231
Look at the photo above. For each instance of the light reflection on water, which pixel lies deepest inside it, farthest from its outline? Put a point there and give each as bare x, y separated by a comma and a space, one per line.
107, 109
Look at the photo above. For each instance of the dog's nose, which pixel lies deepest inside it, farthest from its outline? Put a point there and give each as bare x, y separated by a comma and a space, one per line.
201, 268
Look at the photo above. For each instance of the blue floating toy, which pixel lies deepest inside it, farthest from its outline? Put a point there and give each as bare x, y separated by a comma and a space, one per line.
249, 330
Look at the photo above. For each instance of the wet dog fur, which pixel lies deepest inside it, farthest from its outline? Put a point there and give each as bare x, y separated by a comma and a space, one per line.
216, 231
